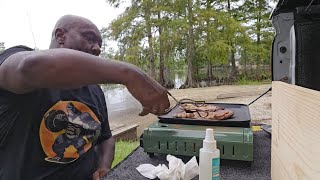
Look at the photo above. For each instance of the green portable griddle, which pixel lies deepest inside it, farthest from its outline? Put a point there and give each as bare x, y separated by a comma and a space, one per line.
182, 136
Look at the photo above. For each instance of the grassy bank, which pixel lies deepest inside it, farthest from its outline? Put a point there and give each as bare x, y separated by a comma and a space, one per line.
244, 81
123, 149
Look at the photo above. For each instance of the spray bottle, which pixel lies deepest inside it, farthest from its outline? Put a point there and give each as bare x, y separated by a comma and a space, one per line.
209, 163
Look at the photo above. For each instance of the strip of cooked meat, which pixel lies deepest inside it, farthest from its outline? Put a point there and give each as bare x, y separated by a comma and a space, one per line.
184, 115
205, 107
217, 115
220, 114
200, 114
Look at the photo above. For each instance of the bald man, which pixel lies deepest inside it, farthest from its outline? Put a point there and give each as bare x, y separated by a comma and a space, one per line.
53, 115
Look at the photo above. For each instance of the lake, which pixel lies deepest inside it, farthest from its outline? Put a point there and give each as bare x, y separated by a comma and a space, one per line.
118, 97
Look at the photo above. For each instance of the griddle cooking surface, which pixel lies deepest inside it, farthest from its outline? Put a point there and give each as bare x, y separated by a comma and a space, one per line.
241, 117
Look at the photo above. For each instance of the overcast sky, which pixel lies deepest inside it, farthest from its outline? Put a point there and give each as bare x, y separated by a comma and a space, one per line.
18, 17
21, 20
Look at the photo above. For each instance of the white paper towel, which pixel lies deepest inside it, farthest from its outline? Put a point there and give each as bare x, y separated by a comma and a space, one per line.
177, 169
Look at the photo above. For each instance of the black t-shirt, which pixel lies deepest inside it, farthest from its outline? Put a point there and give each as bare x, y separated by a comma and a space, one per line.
51, 133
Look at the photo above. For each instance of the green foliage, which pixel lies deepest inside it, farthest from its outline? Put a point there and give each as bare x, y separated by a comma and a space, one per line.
2, 47
245, 81
203, 31
256, 15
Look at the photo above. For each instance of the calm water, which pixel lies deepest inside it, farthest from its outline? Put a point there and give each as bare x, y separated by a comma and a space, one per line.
118, 97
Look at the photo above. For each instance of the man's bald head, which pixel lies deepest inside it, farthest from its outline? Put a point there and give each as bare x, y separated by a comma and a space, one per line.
77, 33
68, 22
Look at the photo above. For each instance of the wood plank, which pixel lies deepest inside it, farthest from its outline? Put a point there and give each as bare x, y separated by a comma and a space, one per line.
240, 94
126, 133
115, 126
295, 146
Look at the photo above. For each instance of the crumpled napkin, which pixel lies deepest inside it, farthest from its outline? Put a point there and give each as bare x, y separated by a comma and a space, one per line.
177, 169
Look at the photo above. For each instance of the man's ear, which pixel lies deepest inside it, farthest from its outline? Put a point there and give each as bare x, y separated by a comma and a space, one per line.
60, 35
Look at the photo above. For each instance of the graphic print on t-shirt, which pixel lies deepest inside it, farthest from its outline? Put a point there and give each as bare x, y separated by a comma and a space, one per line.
67, 131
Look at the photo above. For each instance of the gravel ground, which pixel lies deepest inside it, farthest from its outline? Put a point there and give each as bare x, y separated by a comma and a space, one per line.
260, 111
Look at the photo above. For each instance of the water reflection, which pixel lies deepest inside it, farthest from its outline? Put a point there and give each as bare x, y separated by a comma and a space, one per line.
115, 93
179, 78
118, 97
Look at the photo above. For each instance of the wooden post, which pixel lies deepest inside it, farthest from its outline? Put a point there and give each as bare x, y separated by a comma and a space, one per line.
127, 133
295, 148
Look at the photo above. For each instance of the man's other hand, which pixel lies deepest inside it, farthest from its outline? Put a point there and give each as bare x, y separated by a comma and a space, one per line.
100, 173
152, 96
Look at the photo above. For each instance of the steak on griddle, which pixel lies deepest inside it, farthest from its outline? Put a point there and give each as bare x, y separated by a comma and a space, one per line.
205, 111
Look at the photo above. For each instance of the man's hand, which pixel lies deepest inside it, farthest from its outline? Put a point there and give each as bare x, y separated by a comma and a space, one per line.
149, 93
100, 173
105, 152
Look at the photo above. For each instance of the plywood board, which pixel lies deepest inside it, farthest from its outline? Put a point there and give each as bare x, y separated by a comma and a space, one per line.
295, 145
115, 126
240, 94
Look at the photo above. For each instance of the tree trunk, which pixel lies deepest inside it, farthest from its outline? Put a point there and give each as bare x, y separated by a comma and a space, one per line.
245, 63
161, 63
168, 83
209, 71
190, 81
122, 53
251, 70
232, 52
209, 40
258, 39
150, 40
233, 61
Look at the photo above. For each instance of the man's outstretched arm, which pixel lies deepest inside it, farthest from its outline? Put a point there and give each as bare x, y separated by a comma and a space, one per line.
65, 68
